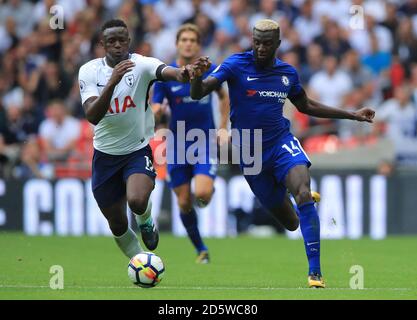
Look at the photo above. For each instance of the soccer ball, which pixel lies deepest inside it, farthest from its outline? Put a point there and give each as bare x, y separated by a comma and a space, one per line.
146, 270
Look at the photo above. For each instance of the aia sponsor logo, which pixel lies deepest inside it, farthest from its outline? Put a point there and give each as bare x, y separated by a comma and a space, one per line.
127, 103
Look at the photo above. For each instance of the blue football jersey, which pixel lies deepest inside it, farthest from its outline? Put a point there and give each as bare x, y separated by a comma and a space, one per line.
257, 95
195, 113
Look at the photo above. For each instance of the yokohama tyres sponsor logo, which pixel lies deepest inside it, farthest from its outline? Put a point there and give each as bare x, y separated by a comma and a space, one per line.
267, 94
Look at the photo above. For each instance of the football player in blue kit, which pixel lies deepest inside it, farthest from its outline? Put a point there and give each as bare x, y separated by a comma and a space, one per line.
188, 114
259, 84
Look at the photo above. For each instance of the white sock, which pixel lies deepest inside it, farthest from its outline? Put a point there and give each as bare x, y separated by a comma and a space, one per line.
128, 243
144, 217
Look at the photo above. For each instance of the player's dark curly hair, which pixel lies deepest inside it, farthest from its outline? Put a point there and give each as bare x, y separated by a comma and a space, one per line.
113, 23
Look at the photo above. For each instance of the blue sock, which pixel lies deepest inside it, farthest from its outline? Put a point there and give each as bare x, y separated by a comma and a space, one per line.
190, 223
310, 228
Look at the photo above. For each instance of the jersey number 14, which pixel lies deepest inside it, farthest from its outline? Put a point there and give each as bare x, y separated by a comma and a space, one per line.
294, 149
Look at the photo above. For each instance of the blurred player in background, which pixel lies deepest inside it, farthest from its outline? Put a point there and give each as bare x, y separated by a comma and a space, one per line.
193, 114
114, 93
259, 84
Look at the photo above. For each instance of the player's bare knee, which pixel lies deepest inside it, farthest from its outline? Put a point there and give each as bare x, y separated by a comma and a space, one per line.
118, 226
204, 195
185, 204
138, 205
294, 224
303, 196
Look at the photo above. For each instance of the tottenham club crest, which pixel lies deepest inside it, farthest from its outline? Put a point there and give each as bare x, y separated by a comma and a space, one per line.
130, 79
285, 81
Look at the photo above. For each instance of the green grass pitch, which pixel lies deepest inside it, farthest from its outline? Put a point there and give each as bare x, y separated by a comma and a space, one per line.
241, 268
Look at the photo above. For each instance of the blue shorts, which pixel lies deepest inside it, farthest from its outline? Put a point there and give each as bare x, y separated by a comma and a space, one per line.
180, 173
183, 173
269, 185
110, 173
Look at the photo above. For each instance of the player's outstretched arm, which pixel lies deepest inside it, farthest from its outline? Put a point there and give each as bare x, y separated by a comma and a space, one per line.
200, 88
177, 74
313, 108
188, 72
95, 108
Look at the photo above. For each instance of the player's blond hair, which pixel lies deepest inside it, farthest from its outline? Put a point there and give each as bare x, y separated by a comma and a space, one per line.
267, 25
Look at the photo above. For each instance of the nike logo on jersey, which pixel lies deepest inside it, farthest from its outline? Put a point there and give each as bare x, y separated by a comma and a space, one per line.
251, 79
100, 85
176, 88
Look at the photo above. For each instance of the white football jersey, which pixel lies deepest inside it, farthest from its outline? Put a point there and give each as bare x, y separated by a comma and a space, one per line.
129, 122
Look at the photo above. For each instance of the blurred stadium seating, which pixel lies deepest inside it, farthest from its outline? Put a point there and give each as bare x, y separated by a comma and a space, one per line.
372, 63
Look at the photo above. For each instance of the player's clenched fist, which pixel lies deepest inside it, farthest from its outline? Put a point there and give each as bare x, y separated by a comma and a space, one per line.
120, 70
187, 73
200, 66
365, 114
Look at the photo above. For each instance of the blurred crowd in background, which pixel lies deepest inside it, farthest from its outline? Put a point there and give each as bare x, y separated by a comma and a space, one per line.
349, 53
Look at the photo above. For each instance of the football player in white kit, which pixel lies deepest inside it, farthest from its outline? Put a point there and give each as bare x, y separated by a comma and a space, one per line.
114, 93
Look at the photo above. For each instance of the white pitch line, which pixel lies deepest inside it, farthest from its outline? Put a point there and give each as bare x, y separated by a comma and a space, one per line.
201, 288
